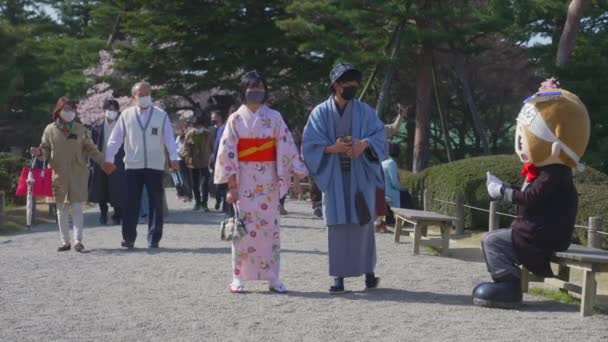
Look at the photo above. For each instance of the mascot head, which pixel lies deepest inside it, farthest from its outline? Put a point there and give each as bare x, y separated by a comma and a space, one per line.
552, 128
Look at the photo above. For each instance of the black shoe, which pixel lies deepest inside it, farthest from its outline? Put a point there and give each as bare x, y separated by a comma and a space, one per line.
336, 290
205, 209
78, 247
128, 245
318, 212
153, 245
196, 207
64, 248
372, 282
217, 205
103, 219
502, 294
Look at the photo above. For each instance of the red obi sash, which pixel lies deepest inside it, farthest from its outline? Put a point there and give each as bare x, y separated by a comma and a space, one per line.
257, 150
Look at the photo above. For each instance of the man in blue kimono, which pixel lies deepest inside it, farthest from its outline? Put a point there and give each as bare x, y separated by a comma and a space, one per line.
343, 144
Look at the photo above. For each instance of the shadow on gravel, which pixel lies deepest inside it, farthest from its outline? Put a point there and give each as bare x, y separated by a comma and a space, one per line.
163, 250
294, 251
405, 296
320, 229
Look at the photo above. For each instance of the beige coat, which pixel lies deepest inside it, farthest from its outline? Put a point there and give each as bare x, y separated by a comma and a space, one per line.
68, 154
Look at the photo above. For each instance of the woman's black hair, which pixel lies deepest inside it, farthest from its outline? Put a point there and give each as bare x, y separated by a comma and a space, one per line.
109, 103
252, 79
393, 150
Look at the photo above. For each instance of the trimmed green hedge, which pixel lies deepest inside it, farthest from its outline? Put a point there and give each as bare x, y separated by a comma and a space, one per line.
10, 169
468, 176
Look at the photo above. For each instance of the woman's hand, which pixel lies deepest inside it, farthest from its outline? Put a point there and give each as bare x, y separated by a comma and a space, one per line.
233, 195
35, 151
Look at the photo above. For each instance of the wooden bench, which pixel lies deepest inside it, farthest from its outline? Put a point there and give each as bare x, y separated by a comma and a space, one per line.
421, 220
590, 260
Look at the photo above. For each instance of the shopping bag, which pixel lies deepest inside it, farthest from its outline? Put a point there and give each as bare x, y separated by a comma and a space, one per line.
43, 182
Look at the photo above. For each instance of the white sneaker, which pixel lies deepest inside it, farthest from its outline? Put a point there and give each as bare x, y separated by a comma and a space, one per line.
236, 286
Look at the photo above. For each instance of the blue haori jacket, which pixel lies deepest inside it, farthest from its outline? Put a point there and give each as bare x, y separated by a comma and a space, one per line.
366, 174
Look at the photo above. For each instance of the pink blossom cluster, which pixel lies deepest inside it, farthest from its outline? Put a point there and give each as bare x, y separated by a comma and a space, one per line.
549, 84
90, 108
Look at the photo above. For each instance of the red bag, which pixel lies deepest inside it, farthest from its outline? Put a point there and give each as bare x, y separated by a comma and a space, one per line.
43, 182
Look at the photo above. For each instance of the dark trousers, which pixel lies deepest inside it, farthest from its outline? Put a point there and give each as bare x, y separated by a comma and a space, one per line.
103, 207
104, 198
221, 190
200, 179
153, 180
316, 197
184, 173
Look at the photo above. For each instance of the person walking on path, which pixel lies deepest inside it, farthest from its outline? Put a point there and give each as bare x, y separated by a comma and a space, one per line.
256, 157
67, 146
218, 119
198, 146
105, 188
184, 172
145, 131
343, 144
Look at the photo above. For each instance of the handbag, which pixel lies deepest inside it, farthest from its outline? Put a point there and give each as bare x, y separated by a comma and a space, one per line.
232, 227
43, 181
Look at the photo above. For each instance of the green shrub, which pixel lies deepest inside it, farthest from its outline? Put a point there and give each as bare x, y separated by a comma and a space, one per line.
468, 176
10, 169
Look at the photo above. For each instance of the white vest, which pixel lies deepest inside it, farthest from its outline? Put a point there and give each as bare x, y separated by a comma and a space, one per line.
144, 141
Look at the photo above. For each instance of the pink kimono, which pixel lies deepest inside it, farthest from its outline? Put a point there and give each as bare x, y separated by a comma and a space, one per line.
261, 184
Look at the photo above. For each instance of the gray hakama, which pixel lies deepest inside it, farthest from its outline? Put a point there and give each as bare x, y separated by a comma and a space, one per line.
351, 247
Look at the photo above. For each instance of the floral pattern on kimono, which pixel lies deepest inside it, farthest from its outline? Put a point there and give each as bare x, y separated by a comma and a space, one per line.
261, 184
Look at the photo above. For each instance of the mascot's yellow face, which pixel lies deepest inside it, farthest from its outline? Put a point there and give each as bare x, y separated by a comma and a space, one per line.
552, 128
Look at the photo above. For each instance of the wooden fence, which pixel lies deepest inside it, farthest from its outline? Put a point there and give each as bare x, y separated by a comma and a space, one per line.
594, 229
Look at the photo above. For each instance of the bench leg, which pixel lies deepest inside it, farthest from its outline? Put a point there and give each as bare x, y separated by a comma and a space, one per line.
398, 227
588, 295
417, 237
445, 239
525, 279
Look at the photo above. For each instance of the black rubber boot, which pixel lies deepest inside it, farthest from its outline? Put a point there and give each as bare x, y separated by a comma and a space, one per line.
503, 293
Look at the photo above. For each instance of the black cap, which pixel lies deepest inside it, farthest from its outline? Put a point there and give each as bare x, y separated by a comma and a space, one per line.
341, 69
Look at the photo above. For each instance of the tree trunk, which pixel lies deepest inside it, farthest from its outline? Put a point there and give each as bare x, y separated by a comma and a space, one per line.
444, 129
459, 69
424, 85
567, 40
390, 71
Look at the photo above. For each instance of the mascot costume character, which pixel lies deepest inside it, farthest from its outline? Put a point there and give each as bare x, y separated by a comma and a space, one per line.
551, 136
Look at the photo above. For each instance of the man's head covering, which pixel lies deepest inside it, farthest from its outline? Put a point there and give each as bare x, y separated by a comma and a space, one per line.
341, 69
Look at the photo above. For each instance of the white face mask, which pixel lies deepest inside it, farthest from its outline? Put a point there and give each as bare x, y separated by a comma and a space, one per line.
111, 114
68, 116
144, 101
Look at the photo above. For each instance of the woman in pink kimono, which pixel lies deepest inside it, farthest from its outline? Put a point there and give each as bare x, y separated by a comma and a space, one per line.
256, 157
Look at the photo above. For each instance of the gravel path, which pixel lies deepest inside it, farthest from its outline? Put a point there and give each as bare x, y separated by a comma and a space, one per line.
180, 292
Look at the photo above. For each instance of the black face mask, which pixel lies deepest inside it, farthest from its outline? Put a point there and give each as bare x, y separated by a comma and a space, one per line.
348, 93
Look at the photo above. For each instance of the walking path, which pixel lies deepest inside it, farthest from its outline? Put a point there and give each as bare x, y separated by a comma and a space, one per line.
179, 293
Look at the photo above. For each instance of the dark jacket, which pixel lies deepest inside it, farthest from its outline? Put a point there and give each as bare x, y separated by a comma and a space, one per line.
116, 183
546, 217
